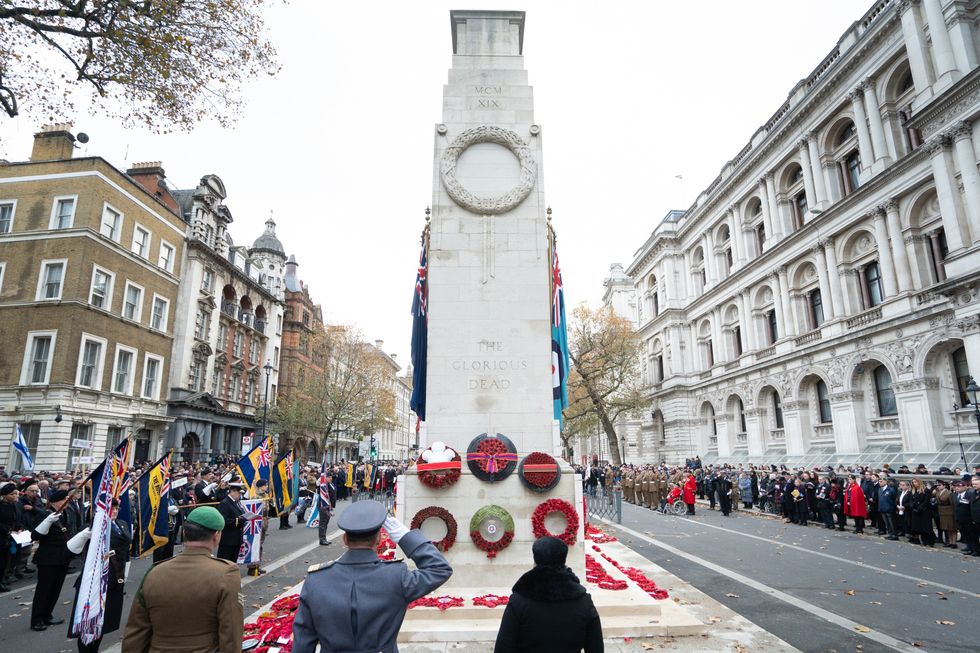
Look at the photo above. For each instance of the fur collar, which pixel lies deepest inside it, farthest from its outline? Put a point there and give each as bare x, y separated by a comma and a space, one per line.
549, 584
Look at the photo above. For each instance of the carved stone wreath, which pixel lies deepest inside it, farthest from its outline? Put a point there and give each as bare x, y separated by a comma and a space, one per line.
488, 205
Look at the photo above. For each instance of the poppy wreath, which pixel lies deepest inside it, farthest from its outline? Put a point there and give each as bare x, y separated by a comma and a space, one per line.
490, 600
491, 512
441, 602
274, 625
539, 472
491, 458
447, 542
437, 478
551, 506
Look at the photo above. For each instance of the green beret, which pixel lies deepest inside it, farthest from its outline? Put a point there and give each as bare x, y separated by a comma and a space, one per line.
207, 517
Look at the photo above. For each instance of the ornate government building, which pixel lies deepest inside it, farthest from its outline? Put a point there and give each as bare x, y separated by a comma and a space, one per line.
820, 301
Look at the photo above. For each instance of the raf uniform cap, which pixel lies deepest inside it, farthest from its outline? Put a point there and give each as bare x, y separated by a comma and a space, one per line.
207, 517
362, 518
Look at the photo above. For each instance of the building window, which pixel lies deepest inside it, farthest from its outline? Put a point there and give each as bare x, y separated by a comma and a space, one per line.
236, 387
884, 392
872, 281
3, 266
250, 391
275, 357
655, 299
51, 281
90, 361
32, 435
7, 216
62, 213
239, 345
207, 283
100, 295
777, 410
209, 235
253, 352
197, 376
201, 324
166, 256
111, 226
710, 352
851, 171
799, 208
741, 417
659, 367
938, 249
133, 302
737, 341
161, 308
113, 438
306, 318
961, 372
141, 242
760, 237
823, 401
279, 325
222, 337
217, 383
772, 326
816, 308
122, 373
152, 366
37, 357
729, 260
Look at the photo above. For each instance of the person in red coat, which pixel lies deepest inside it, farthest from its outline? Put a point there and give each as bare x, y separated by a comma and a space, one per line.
854, 504
690, 487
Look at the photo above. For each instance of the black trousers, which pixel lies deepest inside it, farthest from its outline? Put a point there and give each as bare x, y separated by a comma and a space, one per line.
841, 518
726, 504
827, 516
324, 522
284, 520
229, 553
91, 648
50, 579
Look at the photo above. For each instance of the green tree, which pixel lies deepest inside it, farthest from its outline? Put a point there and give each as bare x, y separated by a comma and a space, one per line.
162, 64
604, 382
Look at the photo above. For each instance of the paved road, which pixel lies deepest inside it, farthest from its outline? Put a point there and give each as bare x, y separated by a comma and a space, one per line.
815, 588
288, 554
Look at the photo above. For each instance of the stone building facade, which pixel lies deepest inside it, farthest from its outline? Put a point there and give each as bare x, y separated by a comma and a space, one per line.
820, 300
229, 329
89, 278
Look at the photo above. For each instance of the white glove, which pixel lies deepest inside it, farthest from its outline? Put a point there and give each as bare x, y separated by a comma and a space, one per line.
45, 526
77, 543
208, 489
396, 530
173, 510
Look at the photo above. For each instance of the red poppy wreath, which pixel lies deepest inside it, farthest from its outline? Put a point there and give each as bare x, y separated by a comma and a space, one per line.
436, 512
493, 515
551, 506
539, 472
491, 458
438, 466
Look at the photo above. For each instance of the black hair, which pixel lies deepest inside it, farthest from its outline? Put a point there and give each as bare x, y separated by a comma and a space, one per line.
196, 533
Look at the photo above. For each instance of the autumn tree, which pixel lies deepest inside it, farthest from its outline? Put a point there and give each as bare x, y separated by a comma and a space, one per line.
162, 64
604, 382
351, 391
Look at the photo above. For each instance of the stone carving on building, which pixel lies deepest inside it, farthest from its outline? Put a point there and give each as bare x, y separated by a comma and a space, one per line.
903, 354
488, 205
913, 385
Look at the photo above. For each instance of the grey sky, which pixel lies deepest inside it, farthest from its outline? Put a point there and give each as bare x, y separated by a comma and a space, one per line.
339, 145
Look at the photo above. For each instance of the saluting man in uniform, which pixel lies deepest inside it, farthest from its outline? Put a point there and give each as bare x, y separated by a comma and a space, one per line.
163, 619
357, 602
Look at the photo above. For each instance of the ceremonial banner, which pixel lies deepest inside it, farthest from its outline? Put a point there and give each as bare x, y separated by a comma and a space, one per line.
420, 329
313, 521
350, 476
282, 484
88, 614
559, 336
256, 464
251, 549
368, 471
152, 502
20, 444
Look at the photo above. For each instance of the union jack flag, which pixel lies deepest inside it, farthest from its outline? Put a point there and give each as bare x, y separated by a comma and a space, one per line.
165, 468
265, 458
420, 330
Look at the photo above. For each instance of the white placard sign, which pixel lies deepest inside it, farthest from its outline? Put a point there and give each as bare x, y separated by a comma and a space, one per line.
78, 443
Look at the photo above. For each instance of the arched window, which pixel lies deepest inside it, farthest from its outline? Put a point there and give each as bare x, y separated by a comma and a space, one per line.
816, 307
823, 402
851, 171
873, 286
772, 326
961, 374
741, 416
777, 410
846, 134
884, 392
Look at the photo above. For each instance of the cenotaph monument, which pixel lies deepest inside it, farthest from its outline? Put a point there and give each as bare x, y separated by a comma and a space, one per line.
489, 365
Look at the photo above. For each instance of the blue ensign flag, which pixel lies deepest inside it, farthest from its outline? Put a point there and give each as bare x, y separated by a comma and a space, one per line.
420, 329
559, 336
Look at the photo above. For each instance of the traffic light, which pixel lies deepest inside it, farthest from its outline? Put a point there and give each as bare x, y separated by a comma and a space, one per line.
374, 453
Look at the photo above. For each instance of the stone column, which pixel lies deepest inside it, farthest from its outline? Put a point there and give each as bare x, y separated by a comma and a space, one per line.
874, 117
754, 426
824, 282
735, 227
836, 288
726, 446
961, 34
670, 283
774, 217
697, 359
915, 46
884, 252
808, 184
850, 427
861, 123
795, 425
710, 265
819, 187
966, 161
919, 415
789, 326
902, 269
766, 211
720, 345
942, 47
957, 233
748, 326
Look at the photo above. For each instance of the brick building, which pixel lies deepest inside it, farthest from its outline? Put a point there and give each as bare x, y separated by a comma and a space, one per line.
89, 276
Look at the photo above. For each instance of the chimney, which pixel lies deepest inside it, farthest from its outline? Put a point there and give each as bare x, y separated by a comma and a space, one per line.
53, 143
394, 357
152, 177
379, 345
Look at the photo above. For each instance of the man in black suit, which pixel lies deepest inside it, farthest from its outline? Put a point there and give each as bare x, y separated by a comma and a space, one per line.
724, 488
233, 512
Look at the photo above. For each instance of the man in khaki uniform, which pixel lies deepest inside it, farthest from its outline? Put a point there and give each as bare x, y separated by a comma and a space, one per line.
191, 603
663, 487
647, 474
638, 487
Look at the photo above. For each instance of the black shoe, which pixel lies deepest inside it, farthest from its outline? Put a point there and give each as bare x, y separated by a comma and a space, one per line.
282, 528
4, 588
324, 543
54, 622
38, 627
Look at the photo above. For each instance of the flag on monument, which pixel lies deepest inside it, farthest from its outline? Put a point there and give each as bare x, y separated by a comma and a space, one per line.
282, 484
88, 613
251, 550
559, 336
256, 464
20, 444
152, 503
420, 330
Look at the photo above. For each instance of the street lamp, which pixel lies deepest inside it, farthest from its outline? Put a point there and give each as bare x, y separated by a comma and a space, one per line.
265, 409
971, 390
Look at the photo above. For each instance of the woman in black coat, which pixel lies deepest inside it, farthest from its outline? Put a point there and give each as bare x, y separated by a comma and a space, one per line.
549, 610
